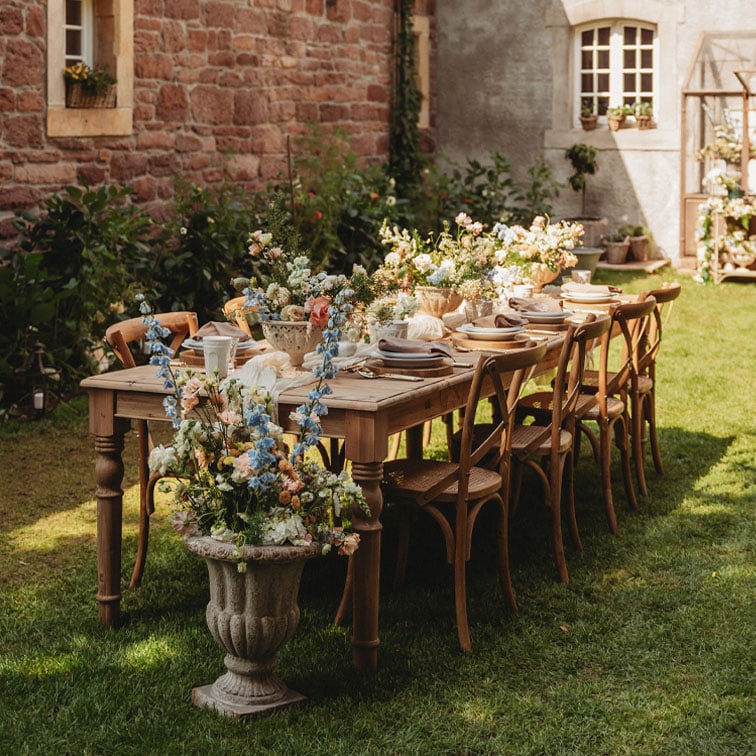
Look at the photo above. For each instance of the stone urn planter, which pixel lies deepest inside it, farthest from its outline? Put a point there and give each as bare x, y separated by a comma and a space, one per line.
588, 258
294, 338
436, 300
251, 614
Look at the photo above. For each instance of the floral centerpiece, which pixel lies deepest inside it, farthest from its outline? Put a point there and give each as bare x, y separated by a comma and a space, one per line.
460, 261
540, 251
238, 481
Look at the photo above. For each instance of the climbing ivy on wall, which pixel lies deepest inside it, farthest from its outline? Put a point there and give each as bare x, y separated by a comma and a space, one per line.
405, 158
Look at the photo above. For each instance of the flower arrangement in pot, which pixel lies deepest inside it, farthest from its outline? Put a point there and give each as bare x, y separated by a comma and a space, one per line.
290, 302
541, 251
441, 270
254, 508
89, 87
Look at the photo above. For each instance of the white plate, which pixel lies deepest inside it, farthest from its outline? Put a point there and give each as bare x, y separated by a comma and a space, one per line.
415, 356
547, 317
240, 347
583, 298
489, 334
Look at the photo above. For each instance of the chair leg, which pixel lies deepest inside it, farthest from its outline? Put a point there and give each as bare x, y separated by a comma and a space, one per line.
621, 435
555, 493
605, 441
502, 540
345, 605
568, 484
460, 590
637, 440
145, 503
650, 404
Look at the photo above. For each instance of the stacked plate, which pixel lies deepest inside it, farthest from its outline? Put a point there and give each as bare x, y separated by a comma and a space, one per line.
589, 297
555, 316
409, 359
470, 331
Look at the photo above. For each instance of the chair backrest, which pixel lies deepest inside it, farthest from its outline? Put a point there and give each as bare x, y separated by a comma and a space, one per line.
498, 377
569, 378
235, 310
120, 335
632, 320
649, 348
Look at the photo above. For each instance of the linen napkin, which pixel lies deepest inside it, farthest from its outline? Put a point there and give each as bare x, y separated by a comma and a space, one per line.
534, 305
500, 320
415, 346
219, 328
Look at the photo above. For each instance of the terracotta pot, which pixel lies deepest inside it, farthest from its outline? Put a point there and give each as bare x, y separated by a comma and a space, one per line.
644, 121
639, 248
616, 252
437, 300
294, 338
615, 122
589, 122
251, 614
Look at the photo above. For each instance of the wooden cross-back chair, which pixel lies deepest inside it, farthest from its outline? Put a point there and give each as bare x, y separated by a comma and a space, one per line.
546, 445
453, 493
120, 337
603, 399
643, 398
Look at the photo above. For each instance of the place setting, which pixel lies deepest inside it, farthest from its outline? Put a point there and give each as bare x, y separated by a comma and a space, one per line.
502, 331
217, 345
409, 359
590, 294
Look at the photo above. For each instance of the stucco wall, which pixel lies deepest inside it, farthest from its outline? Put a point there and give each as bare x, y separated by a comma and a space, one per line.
504, 84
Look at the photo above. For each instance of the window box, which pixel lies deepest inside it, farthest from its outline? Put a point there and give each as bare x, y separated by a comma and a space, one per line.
77, 96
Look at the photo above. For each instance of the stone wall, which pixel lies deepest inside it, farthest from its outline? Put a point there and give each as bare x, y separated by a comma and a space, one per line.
219, 85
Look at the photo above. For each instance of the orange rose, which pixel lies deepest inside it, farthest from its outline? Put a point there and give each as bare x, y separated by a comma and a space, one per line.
317, 307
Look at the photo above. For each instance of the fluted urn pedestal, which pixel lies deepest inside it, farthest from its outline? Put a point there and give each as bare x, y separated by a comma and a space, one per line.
251, 614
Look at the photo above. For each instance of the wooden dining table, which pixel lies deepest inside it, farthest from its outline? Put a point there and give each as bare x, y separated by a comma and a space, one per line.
364, 413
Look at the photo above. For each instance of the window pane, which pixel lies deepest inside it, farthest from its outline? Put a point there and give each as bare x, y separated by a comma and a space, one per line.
603, 35
73, 42
73, 12
647, 58
586, 38
646, 82
586, 83
603, 59
629, 58
630, 34
603, 104
647, 36
602, 81
586, 59
628, 82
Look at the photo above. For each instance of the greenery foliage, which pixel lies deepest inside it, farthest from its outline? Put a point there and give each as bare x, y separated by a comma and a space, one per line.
98, 248
584, 163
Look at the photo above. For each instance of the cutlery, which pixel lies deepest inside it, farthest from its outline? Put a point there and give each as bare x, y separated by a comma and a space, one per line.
365, 373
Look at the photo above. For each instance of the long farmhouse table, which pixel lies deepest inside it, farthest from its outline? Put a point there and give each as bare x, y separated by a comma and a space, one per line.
364, 413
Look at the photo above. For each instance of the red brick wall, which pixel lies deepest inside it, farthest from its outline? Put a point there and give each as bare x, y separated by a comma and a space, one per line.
211, 77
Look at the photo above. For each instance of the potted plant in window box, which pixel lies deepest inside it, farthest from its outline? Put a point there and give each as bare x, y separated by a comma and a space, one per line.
644, 115
616, 116
641, 241
88, 87
617, 246
588, 116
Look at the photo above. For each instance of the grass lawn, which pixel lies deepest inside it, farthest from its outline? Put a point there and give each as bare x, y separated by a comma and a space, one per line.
650, 648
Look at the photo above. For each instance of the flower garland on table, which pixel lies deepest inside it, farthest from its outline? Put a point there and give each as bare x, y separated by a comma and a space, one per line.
238, 482
736, 213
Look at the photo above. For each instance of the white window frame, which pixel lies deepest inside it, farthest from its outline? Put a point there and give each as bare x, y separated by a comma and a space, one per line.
617, 95
86, 29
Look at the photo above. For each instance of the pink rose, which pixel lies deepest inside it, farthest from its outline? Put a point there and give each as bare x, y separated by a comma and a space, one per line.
317, 307
349, 544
